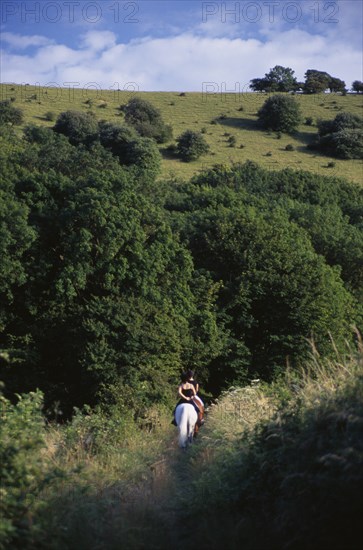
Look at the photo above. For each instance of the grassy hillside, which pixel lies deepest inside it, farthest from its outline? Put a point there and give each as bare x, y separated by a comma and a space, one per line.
218, 116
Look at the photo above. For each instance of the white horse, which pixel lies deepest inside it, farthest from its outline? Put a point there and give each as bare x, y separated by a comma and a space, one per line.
186, 418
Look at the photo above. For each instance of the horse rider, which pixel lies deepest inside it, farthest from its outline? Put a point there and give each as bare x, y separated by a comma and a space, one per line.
187, 393
197, 399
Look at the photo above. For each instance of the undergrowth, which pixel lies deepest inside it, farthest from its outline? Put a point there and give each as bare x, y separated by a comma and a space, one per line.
293, 480
275, 467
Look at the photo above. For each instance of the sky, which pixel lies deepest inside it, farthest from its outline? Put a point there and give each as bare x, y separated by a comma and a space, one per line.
176, 45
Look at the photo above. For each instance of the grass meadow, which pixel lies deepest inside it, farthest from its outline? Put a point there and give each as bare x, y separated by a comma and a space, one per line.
218, 116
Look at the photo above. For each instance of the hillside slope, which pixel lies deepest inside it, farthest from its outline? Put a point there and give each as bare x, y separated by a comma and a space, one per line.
217, 116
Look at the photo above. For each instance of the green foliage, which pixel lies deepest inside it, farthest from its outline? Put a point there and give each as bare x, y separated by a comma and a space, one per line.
316, 81
117, 139
10, 114
77, 126
98, 286
16, 238
147, 120
342, 121
191, 145
280, 113
113, 282
294, 476
24, 471
276, 290
232, 141
336, 85
341, 137
50, 115
357, 86
130, 148
278, 79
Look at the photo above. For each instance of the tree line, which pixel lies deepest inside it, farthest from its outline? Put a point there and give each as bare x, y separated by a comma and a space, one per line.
282, 79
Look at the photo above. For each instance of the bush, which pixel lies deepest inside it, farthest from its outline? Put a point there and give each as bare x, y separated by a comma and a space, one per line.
191, 145
289, 147
147, 120
10, 114
23, 469
117, 139
309, 121
129, 147
343, 121
77, 126
50, 115
341, 137
290, 478
280, 113
232, 141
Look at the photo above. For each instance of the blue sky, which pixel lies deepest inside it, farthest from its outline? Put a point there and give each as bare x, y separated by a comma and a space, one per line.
179, 45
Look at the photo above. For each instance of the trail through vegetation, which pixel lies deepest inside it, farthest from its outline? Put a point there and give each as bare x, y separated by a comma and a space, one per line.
114, 280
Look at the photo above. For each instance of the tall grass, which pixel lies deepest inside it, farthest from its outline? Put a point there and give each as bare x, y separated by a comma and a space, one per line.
293, 478
276, 466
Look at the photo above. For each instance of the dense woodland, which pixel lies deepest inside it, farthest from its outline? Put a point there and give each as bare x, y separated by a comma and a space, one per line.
114, 280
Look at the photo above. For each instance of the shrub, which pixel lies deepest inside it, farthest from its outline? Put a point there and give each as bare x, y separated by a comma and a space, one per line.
147, 120
341, 137
191, 145
117, 139
10, 114
280, 113
342, 121
289, 147
291, 478
309, 121
232, 141
50, 115
77, 126
23, 469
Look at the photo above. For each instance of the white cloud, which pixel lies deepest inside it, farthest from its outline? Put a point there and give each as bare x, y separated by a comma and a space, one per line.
182, 62
21, 42
99, 40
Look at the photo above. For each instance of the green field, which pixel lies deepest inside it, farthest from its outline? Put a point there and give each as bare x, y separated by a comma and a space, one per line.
218, 116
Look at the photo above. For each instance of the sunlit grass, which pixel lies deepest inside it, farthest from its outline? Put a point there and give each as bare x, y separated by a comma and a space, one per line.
218, 116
